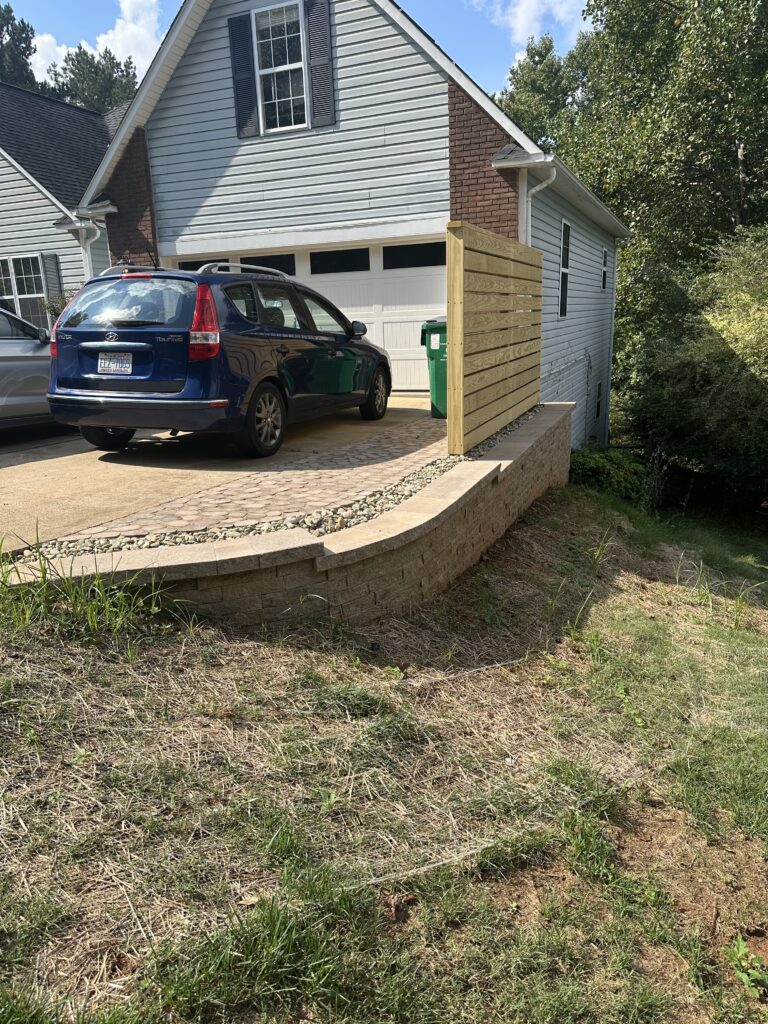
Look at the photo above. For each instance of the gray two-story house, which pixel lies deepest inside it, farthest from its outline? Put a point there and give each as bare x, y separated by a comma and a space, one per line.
333, 139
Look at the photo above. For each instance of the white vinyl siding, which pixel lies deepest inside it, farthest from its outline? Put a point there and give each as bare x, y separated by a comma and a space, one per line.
26, 225
576, 349
386, 158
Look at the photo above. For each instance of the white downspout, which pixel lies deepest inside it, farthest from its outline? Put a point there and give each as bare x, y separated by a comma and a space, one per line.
529, 203
85, 245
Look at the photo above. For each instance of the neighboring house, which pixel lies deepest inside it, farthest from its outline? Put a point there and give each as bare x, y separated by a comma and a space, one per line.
49, 150
333, 139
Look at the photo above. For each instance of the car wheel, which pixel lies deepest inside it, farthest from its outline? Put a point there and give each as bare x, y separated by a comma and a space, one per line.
265, 423
109, 439
375, 405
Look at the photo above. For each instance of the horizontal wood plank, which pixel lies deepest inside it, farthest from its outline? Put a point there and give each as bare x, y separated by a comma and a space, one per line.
497, 284
480, 263
482, 323
484, 241
486, 341
504, 389
508, 303
505, 372
492, 418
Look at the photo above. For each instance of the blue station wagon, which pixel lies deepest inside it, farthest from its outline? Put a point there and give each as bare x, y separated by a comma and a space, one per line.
232, 349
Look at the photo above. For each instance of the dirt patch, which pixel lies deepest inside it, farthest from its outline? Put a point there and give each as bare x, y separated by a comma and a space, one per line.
716, 889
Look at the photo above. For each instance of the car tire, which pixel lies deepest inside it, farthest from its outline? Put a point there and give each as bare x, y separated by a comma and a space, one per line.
375, 405
265, 420
108, 439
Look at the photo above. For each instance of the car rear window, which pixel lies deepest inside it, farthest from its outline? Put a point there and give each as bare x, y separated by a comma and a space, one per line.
133, 302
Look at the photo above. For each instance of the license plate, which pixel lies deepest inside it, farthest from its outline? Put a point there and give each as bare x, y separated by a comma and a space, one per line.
115, 362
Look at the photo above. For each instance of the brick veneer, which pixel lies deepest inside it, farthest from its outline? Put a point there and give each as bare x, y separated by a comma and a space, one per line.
479, 194
132, 229
386, 566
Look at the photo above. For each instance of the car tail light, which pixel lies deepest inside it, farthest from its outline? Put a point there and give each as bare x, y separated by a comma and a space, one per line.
54, 349
204, 339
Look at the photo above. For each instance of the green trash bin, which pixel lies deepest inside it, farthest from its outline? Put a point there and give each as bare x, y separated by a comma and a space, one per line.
434, 337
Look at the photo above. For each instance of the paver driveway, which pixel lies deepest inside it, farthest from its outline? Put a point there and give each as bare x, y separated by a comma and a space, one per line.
60, 487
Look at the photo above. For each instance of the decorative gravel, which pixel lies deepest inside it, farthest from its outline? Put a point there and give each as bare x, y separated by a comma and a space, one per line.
320, 522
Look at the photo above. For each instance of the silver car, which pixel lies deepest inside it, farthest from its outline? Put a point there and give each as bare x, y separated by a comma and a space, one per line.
25, 369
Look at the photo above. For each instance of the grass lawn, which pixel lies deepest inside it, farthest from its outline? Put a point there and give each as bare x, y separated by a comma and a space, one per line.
542, 799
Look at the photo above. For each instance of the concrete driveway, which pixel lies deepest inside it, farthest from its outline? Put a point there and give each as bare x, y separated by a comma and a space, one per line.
55, 485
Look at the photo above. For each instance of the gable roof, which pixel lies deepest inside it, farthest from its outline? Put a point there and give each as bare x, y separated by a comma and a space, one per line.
57, 144
179, 36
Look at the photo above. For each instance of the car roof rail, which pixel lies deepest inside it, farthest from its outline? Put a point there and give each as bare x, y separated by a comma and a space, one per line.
128, 268
248, 268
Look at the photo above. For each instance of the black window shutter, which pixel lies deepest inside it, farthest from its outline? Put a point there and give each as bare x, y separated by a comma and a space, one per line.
321, 62
244, 76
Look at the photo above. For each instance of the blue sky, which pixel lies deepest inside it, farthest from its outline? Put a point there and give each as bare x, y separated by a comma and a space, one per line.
483, 36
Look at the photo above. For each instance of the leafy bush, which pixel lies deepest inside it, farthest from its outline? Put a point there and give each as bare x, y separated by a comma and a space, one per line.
694, 378
612, 470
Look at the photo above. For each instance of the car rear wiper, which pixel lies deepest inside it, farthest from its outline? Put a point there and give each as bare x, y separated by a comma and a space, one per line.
136, 323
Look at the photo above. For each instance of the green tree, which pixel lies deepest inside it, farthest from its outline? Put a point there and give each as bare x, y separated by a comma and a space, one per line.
97, 81
545, 92
16, 49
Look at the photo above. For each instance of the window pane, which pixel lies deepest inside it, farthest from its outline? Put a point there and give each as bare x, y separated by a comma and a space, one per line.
563, 295
286, 262
324, 319
285, 114
279, 53
565, 257
34, 310
262, 27
7, 304
282, 85
241, 297
270, 115
340, 261
399, 257
6, 330
294, 49
279, 308
6, 289
122, 303
265, 55
299, 112
292, 21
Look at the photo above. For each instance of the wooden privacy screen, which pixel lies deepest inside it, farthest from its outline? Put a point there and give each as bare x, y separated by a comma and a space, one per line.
494, 333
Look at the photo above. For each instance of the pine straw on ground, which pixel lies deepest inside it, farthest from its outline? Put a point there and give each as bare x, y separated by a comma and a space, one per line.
146, 799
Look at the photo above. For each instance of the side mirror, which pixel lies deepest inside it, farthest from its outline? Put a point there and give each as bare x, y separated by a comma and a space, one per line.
359, 329
43, 336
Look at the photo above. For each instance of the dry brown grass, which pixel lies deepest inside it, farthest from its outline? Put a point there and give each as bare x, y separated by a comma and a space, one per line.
147, 799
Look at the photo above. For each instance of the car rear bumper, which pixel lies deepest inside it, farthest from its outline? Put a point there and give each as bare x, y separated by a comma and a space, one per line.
141, 413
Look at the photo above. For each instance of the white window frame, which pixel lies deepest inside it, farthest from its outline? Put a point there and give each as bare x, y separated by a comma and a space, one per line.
564, 270
15, 292
286, 67
604, 272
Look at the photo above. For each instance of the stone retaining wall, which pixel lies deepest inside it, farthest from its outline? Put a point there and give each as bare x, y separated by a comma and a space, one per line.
386, 566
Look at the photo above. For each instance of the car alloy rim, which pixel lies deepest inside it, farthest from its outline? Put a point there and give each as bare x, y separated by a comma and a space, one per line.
269, 420
380, 396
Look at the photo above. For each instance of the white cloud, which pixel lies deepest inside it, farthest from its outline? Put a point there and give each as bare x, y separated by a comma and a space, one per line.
524, 18
136, 33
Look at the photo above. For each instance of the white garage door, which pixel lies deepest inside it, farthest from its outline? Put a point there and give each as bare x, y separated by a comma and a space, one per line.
394, 304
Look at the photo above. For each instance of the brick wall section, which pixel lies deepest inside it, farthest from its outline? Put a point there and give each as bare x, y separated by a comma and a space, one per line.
479, 194
356, 588
131, 231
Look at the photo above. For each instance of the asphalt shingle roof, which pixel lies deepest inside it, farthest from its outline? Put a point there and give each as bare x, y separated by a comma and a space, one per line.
59, 144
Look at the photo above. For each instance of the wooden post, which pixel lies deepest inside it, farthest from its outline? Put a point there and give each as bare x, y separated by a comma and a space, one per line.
455, 260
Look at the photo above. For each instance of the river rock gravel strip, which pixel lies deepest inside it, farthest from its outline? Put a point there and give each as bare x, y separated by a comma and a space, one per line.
320, 523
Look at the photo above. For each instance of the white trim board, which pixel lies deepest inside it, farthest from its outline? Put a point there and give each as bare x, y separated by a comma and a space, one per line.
179, 36
315, 235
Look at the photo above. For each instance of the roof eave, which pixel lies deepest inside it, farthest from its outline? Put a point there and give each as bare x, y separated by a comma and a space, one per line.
599, 212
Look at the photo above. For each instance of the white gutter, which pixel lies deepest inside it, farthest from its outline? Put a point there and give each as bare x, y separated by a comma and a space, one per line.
529, 202
568, 185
